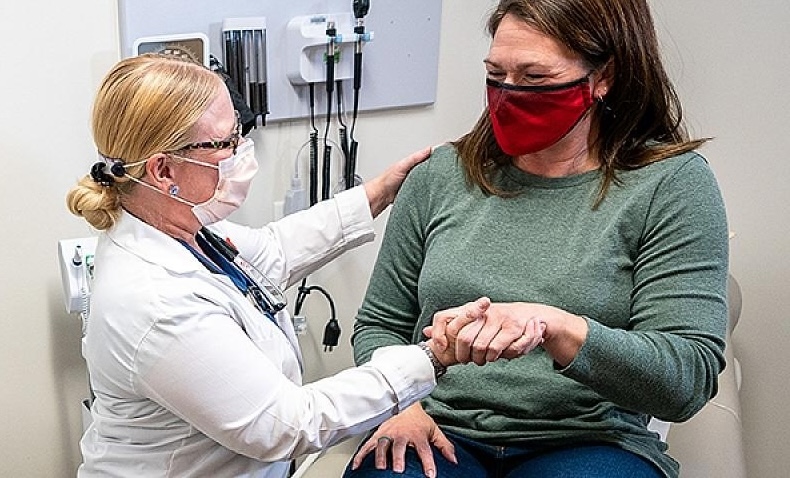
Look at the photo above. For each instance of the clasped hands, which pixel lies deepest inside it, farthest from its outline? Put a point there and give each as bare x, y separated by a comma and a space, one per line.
481, 332
477, 332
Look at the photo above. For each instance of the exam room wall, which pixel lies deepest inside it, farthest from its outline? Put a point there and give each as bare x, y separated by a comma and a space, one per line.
722, 57
730, 63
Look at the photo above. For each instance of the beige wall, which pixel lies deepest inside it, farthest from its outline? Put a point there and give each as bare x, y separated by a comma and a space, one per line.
730, 64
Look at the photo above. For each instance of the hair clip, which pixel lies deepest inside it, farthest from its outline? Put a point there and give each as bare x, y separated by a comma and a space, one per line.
118, 169
99, 173
100, 176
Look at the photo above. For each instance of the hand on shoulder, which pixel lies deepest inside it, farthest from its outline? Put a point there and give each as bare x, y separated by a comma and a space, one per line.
382, 189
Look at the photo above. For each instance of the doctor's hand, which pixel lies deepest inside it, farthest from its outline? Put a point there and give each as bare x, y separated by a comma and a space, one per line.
382, 189
443, 339
411, 428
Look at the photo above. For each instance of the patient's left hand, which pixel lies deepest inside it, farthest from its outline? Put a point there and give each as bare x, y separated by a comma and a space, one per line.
489, 331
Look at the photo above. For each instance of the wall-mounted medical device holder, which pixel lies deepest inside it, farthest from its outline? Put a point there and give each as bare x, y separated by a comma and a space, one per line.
306, 43
75, 257
401, 65
193, 46
244, 56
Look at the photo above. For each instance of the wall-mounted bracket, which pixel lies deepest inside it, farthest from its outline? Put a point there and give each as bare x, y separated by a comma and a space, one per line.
305, 47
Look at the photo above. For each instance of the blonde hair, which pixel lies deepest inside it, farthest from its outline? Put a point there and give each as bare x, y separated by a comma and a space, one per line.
146, 105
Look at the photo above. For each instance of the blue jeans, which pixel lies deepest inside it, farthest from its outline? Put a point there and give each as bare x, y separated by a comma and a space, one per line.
475, 459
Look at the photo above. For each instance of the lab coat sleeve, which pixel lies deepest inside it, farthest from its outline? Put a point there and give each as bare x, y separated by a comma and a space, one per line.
206, 370
291, 248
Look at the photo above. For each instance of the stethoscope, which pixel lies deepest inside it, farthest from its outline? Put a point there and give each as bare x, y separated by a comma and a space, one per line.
223, 258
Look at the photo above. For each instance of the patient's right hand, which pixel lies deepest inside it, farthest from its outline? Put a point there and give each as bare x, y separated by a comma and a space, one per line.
413, 427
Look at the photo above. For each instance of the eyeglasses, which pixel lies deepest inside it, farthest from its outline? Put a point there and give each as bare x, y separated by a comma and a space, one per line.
231, 142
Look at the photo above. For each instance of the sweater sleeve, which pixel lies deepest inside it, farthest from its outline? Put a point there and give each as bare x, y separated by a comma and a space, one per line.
389, 313
674, 343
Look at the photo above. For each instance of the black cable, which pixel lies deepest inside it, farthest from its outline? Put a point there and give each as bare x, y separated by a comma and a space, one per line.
313, 177
305, 290
352, 153
342, 131
340, 106
332, 328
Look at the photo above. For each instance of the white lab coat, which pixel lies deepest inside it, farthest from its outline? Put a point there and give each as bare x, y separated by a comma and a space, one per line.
191, 380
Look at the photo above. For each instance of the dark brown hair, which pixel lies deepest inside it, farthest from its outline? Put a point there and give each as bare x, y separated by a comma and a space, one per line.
641, 119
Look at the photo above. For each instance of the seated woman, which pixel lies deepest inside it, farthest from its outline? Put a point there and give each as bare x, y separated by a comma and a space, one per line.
577, 201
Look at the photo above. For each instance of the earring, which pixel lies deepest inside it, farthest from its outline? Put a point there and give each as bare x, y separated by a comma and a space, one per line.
173, 190
605, 108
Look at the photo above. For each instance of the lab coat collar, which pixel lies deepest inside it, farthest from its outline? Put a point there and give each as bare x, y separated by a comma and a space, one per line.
155, 247
152, 245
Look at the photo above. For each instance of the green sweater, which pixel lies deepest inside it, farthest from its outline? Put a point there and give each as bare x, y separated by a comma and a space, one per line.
648, 269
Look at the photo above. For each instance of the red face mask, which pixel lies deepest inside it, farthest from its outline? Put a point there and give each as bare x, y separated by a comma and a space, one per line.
528, 119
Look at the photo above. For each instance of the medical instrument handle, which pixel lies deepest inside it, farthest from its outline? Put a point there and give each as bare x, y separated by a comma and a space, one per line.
313, 168
326, 172
331, 33
358, 66
352, 165
270, 293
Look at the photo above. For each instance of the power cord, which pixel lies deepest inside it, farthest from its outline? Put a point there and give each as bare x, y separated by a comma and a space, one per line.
332, 328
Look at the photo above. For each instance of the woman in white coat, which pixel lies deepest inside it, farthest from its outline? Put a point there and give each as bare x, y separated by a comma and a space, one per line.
196, 372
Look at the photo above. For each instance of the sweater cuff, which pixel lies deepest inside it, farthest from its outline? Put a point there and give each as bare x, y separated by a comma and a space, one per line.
581, 366
408, 370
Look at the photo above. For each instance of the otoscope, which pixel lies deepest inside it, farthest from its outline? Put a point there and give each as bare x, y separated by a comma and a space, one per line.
361, 8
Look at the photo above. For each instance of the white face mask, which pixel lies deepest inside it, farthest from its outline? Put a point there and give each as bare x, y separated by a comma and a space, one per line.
235, 177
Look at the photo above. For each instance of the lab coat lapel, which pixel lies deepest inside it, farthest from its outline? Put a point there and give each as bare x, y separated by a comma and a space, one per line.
152, 245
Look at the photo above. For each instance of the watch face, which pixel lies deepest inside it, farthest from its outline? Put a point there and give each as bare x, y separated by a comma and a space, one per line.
189, 48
